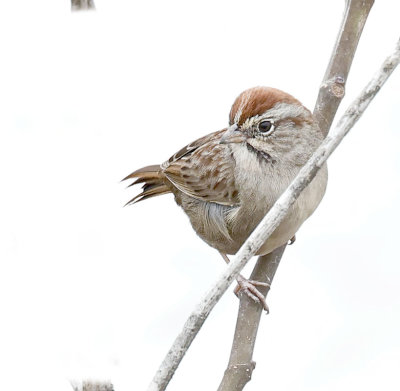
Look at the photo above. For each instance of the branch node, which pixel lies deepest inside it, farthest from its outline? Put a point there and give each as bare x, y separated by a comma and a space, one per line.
335, 86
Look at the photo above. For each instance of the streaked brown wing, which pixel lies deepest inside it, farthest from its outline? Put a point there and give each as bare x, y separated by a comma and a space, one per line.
204, 170
187, 149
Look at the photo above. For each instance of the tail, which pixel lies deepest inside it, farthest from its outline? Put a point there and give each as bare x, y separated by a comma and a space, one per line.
153, 183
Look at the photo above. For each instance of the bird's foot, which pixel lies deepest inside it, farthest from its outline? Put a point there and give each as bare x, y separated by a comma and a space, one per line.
249, 288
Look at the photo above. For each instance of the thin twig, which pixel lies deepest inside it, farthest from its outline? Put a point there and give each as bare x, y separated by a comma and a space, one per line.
268, 224
330, 95
82, 5
89, 385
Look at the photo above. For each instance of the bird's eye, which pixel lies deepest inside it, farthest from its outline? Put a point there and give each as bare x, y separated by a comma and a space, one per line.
265, 127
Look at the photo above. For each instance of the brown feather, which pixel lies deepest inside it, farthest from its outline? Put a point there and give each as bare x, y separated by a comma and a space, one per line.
154, 195
146, 180
202, 181
155, 190
145, 172
256, 101
153, 183
205, 173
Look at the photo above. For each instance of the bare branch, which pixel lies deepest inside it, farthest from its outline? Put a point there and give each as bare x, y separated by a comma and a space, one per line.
80, 5
330, 95
240, 365
88, 385
269, 223
332, 88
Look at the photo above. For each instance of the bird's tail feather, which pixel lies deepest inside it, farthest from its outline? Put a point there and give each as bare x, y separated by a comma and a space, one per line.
153, 183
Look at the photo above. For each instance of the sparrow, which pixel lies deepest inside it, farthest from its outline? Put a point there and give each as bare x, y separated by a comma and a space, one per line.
228, 180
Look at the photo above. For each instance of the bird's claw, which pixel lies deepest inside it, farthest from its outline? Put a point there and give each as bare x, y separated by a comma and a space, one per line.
249, 288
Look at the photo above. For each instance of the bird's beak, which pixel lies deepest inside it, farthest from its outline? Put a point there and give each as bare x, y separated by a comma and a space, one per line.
233, 135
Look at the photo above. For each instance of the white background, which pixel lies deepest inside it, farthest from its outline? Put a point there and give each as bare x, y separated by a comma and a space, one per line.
89, 289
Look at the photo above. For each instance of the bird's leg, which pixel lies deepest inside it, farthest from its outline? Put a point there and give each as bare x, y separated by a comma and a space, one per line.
249, 287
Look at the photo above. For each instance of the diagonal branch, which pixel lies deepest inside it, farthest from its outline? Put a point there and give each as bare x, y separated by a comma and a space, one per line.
269, 223
330, 95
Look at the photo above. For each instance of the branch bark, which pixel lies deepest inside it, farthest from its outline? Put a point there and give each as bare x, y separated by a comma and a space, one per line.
269, 223
332, 89
330, 95
88, 385
241, 365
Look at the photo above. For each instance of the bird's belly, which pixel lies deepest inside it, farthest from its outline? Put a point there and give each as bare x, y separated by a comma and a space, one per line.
300, 211
281, 235
214, 226
227, 228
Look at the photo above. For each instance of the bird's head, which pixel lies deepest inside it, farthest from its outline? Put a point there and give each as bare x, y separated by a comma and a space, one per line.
270, 121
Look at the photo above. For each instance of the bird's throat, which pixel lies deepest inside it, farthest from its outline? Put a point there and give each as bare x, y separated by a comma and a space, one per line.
261, 155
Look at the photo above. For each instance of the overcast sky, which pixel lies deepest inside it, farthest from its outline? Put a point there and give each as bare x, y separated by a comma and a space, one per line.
91, 289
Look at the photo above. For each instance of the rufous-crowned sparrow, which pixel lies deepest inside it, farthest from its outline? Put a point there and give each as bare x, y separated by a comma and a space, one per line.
227, 181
